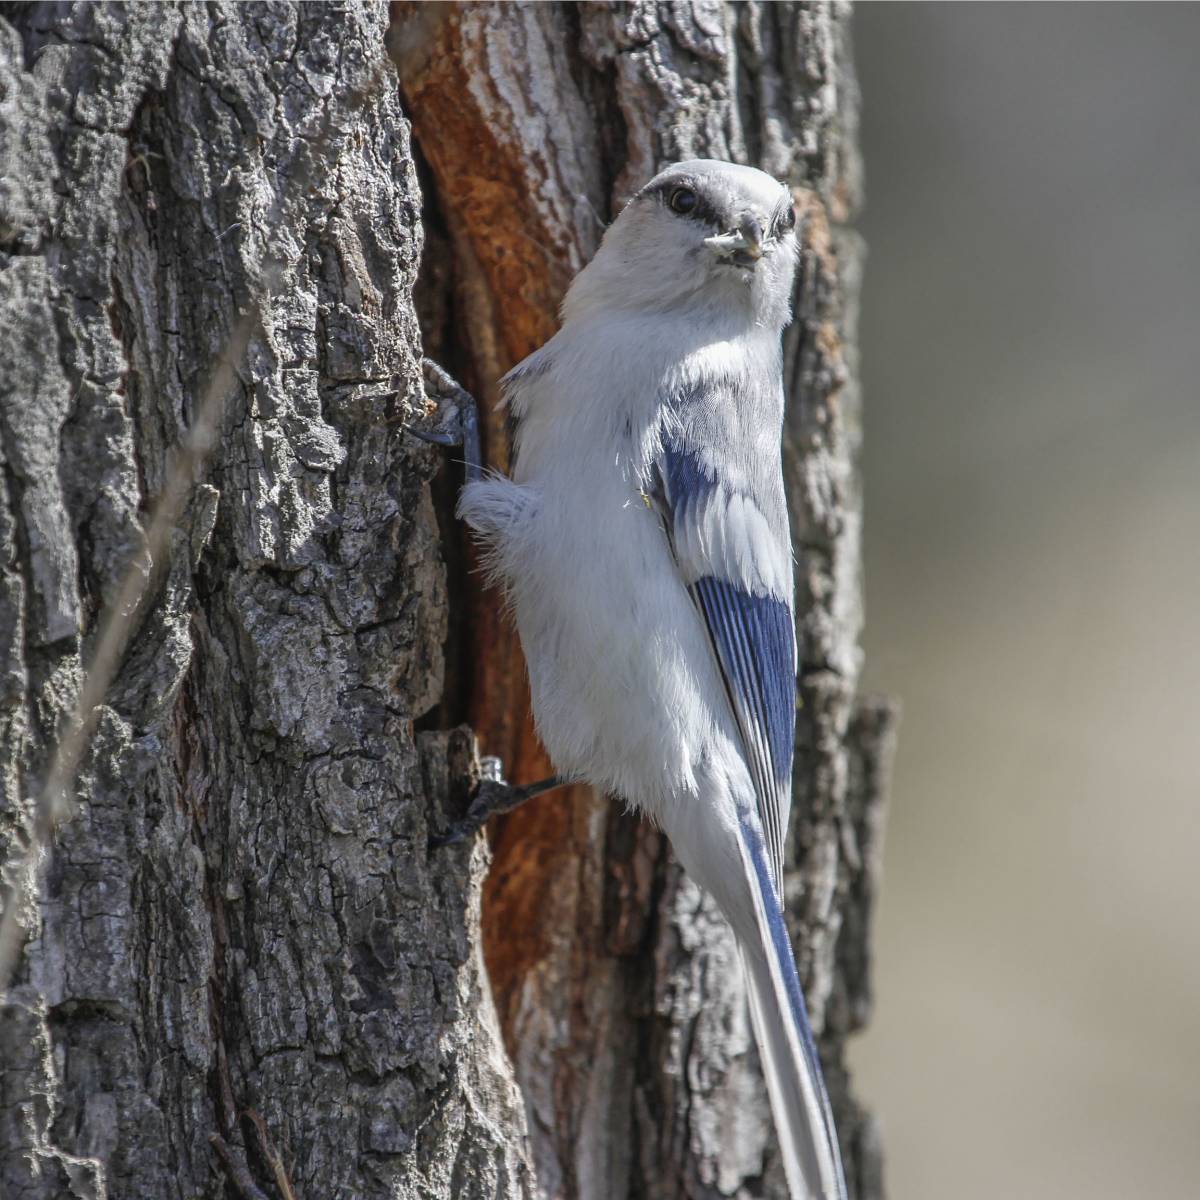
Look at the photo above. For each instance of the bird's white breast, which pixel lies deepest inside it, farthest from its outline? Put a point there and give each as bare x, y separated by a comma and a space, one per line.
626, 693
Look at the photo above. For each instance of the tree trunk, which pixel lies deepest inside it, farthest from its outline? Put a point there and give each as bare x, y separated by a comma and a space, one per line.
239, 940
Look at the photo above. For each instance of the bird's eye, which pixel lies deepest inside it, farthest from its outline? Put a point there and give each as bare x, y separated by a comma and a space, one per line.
683, 200
788, 220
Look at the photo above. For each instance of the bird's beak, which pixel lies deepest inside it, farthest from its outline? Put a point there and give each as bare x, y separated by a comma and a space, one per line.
744, 244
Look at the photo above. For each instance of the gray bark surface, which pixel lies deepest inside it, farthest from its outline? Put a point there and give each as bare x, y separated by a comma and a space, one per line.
240, 926
242, 913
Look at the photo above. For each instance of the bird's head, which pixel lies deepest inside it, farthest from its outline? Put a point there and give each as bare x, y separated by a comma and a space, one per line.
704, 236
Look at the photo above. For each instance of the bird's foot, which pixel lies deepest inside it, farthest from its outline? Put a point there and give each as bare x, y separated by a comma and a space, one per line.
458, 417
491, 797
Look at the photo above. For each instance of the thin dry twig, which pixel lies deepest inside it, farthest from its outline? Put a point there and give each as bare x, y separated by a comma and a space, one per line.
117, 618
236, 1168
274, 1159
116, 624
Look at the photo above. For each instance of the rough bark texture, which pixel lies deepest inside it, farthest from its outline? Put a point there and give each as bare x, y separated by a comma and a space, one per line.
616, 981
242, 913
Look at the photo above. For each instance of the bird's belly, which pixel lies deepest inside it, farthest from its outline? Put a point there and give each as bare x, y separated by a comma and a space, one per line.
622, 678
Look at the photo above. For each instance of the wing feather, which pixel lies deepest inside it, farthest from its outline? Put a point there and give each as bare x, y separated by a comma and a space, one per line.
731, 560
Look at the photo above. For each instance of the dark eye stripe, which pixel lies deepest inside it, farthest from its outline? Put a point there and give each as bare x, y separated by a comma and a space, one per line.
703, 211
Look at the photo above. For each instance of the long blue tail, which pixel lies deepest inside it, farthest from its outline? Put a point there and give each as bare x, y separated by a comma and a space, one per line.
803, 1120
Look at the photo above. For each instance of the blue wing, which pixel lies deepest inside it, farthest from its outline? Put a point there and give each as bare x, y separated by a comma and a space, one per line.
729, 535
731, 545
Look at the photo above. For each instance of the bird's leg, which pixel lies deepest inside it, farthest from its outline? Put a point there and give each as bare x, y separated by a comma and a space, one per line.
491, 797
458, 417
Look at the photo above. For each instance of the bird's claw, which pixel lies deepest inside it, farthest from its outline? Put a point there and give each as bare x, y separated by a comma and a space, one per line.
490, 797
462, 419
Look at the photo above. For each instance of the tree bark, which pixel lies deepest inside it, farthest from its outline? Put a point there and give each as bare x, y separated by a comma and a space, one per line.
240, 939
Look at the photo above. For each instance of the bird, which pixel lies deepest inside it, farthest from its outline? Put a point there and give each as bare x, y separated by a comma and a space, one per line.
643, 546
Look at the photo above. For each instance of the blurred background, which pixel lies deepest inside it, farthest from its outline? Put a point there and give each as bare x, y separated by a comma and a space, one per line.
1031, 360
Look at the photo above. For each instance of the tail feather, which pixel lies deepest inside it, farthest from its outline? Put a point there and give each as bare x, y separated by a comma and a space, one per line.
803, 1119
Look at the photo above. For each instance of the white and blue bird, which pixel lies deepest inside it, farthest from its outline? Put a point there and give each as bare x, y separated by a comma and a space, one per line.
644, 547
